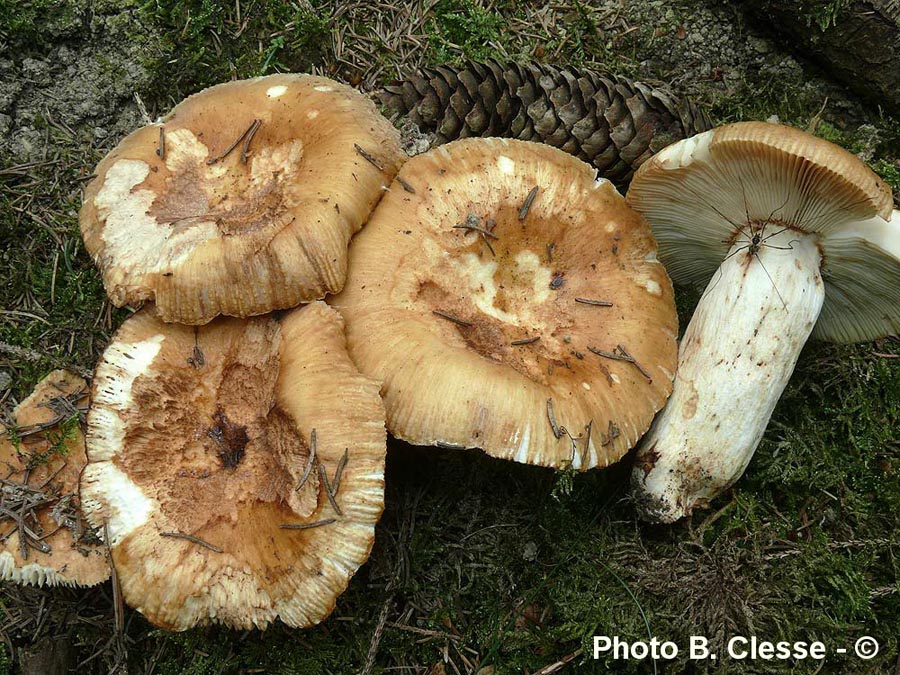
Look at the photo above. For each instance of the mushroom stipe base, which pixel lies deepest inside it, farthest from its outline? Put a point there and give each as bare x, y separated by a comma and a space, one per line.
735, 359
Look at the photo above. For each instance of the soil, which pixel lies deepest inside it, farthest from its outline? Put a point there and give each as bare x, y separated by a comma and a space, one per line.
83, 77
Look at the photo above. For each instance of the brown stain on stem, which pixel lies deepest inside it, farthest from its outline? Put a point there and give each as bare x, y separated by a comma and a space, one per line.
689, 407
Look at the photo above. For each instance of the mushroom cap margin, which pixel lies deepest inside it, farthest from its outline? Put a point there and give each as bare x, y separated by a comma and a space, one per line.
445, 384
298, 574
232, 238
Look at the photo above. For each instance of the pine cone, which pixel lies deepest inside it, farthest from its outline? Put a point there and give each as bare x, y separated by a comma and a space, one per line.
608, 121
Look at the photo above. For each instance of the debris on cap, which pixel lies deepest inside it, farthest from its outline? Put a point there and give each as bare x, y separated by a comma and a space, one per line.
45, 539
238, 467
510, 301
240, 201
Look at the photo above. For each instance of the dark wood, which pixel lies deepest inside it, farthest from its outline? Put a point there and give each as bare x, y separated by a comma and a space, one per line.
861, 48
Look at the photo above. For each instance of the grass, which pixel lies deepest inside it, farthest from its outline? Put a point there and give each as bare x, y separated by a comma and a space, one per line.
54, 309
486, 566
216, 41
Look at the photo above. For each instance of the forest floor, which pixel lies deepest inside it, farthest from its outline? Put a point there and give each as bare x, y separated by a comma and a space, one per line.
480, 566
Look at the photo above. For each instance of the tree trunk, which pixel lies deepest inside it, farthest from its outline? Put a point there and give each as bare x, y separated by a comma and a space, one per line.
859, 45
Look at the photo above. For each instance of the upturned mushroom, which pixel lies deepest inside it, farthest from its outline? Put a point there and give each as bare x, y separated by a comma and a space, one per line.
509, 300
45, 538
240, 201
794, 236
237, 468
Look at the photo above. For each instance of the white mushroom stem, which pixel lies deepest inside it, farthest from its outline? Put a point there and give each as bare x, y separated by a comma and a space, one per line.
735, 360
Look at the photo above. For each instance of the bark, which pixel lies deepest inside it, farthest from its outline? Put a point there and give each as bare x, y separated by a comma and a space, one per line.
861, 48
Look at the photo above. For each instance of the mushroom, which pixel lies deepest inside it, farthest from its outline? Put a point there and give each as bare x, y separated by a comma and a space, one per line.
45, 539
240, 201
793, 235
238, 468
510, 301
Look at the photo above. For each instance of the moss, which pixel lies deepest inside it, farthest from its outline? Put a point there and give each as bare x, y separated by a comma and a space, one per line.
203, 42
565, 483
57, 439
34, 24
587, 37
461, 29
20, 19
889, 170
823, 13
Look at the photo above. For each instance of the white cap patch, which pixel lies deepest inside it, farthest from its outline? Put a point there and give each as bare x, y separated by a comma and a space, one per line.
479, 274
653, 287
127, 507
133, 237
506, 164
524, 446
115, 379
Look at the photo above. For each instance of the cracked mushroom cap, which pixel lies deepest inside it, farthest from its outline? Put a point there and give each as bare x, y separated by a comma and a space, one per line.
42, 468
509, 301
242, 200
706, 193
239, 467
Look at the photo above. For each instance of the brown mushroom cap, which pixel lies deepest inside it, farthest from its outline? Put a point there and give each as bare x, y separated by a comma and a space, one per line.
200, 449
44, 465
172, 218
706, 193
451, 327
